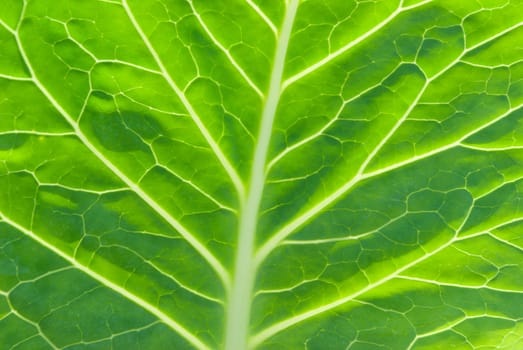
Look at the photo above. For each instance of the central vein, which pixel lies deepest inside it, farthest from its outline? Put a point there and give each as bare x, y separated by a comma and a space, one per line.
240, 297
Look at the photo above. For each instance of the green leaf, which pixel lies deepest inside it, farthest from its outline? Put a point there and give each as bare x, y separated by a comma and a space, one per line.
261, 174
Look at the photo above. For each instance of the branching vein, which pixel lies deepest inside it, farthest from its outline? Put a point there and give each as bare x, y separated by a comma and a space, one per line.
104, 281
195, 117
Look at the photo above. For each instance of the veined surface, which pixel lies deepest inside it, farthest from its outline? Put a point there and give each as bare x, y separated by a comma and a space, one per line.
248, 174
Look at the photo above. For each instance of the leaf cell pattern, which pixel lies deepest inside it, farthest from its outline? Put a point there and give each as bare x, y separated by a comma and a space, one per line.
248, 174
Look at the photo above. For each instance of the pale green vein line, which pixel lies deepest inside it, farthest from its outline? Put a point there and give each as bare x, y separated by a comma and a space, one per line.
70, 301
37, 133
115, 335
346, 238
162, 111
263, 16
492, 149
154, 266
291, 321
456, 285
441, 329
495, 36
152, 234
503, 224
21, 343
231, 59
7, 27
12, 77
113, 2
129, 64
35, 325
101, 61
457, 322
289, 288
490, 67
507, 243
439, 150
490, 232
6, 315
195, 117
193, 185
506, 182
350, 45
198, 246
239, 300
39, 277
109, 284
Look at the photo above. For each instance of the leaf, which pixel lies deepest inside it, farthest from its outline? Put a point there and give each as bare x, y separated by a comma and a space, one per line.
247, 174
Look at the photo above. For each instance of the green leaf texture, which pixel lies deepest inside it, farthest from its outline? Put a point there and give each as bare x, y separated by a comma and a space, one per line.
261, 174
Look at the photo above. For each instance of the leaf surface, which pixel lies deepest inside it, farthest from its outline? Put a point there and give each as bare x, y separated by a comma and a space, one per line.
247, 174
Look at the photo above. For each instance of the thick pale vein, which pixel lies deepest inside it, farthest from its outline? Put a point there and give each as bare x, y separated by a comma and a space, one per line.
263, 16
198, 246
7, 27
505, 182
239, 301
195, 117
37, 133
504, 241
456, 285
225, 51
350, 45
457, 143
167, 275
11, 77
273, 242
193, 185
104, 281
450, 326
492, 149
291, 321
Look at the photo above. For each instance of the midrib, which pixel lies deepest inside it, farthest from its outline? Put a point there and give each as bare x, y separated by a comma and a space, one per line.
239, 300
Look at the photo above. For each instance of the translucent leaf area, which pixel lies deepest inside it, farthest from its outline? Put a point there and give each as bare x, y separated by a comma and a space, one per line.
261, 174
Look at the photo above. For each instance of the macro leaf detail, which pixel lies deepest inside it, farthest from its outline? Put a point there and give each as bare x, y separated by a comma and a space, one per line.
261, 174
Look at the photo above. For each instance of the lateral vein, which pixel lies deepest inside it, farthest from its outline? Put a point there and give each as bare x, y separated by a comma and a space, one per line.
350, 45
111, 285
235, 178
273, 242
226, 52
263, 16
282, 325
197, 245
